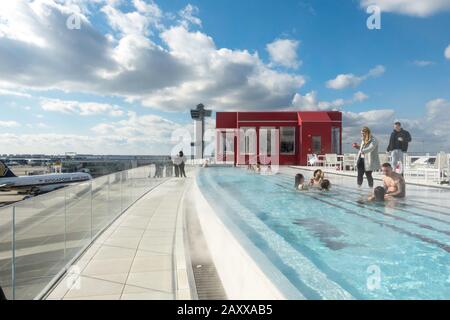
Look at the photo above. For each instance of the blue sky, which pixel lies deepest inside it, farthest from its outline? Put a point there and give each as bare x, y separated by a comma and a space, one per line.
124, 81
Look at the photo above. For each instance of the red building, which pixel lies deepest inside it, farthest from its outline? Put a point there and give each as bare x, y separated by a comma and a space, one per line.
247, 137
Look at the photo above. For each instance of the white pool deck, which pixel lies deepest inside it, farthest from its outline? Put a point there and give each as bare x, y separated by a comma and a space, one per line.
142, 255
139, 257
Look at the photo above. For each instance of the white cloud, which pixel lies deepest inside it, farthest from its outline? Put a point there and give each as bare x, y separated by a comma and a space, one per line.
375, 72
58, 143
188, 15
145, 131
39, 125
146, 134
185, 44
221, 78
151, 128
438, 116
185, 70
429, 133
6, 92
447, 52
309, 102
139, 22
379, 121
149, 8
283, 52
423, 63
9, 124
419, 8
343, 81
360, 97
81, 108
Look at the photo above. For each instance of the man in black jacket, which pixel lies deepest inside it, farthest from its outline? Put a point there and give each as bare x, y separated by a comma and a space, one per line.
398, 145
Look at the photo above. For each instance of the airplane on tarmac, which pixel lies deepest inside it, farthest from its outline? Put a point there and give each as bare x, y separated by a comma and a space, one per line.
38, 184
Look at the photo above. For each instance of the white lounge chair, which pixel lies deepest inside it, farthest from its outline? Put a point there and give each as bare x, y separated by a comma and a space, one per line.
384, 158
331, 160
430, 172
314, 161
349, 161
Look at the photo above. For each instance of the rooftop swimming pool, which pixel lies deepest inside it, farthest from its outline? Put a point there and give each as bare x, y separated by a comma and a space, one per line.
330, 245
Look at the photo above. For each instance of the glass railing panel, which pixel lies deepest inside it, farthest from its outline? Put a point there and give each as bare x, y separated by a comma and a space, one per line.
125, 190
100, 204
39, 242
41, 235
115, 191
6, 253
78, 218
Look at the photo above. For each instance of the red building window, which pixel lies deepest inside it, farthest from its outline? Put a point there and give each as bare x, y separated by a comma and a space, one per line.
317, 144
287, 140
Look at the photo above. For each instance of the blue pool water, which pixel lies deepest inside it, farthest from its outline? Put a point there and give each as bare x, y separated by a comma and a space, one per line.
329, 245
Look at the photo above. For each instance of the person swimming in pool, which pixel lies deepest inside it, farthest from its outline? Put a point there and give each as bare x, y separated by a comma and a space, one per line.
317, 179
378, 195
325, 185
300, 183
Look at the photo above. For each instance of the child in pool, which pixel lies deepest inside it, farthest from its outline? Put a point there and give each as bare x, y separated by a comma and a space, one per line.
317, 180
325, 185
378, 195
300, 183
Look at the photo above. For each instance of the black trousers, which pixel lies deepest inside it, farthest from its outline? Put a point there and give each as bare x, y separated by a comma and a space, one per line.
362, 171
177, 170
182, 173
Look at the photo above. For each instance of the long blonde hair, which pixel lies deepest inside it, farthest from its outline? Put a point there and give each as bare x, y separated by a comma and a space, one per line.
367, 135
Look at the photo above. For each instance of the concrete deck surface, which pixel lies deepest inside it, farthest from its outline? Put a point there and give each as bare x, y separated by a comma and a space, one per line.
134, 258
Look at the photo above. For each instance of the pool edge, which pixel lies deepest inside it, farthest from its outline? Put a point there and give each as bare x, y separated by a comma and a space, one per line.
244, 275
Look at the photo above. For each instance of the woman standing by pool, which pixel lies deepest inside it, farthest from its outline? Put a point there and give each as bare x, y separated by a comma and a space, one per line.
368, 159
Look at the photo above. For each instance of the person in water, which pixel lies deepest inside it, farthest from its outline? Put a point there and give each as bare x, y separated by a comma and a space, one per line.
300, 183
378, 195
394, 183
318, 178
325, 185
